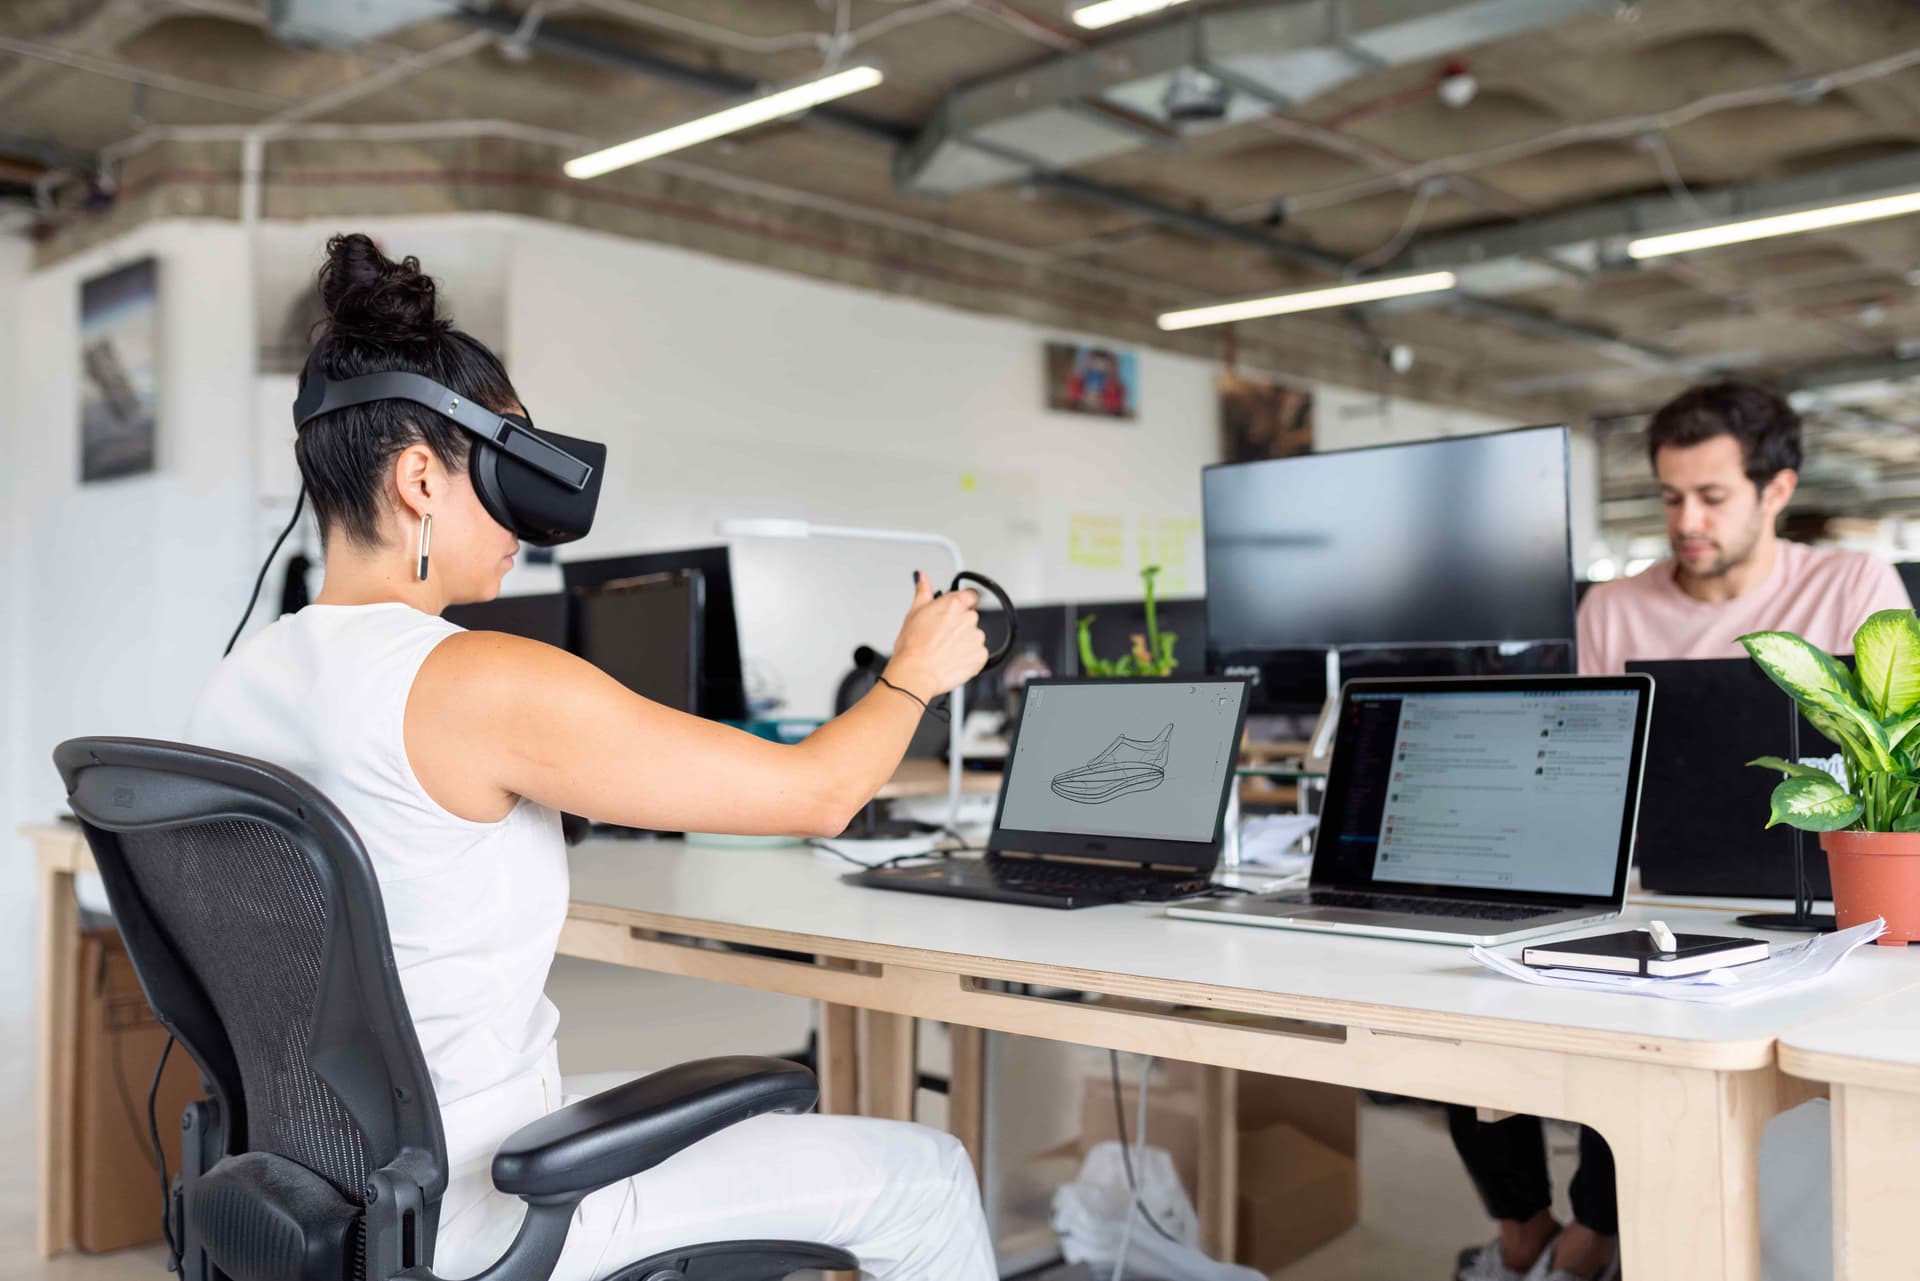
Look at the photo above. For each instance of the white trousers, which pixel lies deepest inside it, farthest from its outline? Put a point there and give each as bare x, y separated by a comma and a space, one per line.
899, 1197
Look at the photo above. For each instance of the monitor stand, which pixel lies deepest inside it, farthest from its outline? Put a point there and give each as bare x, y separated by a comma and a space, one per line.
1801, 919
1320, 746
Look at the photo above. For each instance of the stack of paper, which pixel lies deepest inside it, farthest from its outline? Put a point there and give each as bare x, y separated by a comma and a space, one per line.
1788, 967
1273, 841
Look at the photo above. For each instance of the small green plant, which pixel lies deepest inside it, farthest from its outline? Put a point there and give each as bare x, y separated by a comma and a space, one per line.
1152, 650
1872, 712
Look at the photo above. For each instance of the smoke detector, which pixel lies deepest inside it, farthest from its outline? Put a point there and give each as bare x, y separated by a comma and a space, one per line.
1458, 87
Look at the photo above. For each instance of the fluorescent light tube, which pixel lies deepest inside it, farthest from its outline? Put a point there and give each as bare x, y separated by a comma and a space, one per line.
1104, 13
1788, 224
1309, 300
745, 115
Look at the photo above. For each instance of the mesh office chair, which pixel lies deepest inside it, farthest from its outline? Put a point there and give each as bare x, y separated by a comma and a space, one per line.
252, 916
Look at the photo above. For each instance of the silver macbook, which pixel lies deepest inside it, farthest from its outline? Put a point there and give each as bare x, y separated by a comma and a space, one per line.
1471, 810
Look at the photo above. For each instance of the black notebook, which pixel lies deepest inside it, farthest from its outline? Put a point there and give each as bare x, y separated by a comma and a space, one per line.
1634, 952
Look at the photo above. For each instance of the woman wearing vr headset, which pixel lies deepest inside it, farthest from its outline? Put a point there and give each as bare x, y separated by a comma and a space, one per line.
453, 754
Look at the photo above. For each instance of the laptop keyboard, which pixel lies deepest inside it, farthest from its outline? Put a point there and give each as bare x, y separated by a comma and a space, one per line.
1037, 877
1411, 906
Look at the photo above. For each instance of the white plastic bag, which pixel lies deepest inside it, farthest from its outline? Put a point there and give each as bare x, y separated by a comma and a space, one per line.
1090, 1217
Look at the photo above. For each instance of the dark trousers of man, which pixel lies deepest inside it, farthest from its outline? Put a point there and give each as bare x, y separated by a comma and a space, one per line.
1507, 1161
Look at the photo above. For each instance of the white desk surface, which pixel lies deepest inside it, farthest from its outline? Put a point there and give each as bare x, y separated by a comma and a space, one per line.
1877, 1044
1382, 983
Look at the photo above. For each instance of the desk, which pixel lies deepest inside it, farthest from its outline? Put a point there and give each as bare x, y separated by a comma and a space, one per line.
1870, 1056
1681, 1091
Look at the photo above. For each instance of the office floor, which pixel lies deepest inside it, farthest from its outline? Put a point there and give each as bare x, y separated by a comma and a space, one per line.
1417, 1208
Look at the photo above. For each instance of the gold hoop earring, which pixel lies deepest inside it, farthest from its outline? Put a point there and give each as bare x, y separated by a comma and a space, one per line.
426, 538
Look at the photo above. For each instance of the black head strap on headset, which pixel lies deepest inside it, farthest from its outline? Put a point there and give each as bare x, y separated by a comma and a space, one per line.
542, 486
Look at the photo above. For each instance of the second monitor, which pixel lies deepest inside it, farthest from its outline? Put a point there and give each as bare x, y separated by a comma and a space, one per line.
1442, 556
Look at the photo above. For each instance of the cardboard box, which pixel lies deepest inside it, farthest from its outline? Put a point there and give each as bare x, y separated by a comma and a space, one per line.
1299, 1175
1296, 1194
116, 1190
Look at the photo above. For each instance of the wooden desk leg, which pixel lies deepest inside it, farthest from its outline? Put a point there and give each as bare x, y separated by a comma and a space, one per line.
888, 1070
967, 1092
1219, 1191
838, 1060
1686, 1148
1873, 1198
59, 947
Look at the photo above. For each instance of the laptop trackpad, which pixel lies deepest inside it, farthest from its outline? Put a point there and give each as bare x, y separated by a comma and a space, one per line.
1357, 916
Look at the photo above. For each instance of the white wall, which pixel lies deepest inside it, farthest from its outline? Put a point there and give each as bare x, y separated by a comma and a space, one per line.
122, 592
16, 869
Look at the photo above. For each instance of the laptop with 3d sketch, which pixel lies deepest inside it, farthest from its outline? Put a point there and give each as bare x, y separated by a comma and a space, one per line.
1471, 810
1115, 790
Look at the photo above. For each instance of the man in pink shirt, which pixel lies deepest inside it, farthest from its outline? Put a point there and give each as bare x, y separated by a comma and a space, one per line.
1727, 458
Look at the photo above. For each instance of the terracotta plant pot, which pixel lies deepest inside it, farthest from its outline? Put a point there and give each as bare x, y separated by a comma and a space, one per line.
1876, 874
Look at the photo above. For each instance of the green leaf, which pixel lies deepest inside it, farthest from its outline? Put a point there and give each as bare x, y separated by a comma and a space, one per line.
1901, 728
1907, 822
1886, 658
1824, 690
1814, 805
1789, 767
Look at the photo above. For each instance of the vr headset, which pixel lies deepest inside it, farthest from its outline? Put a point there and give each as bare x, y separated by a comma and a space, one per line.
542, 486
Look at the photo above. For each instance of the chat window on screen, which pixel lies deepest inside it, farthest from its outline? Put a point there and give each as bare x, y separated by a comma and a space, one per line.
1508, 790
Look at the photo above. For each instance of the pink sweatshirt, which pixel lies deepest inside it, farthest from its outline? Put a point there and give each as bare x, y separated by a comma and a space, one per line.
1821, 593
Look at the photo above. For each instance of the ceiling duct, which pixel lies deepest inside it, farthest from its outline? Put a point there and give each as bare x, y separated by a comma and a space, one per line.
1214, 68
343, 24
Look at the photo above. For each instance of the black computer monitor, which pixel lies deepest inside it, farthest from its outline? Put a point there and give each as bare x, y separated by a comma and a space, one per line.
1046, 633
1909, 571
1449, 555
723, 692
645, 633
543, 617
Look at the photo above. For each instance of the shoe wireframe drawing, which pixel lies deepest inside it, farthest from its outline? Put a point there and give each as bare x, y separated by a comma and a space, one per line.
1127, 765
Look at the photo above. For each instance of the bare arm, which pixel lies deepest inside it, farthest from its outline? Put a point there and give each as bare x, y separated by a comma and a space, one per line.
492, 718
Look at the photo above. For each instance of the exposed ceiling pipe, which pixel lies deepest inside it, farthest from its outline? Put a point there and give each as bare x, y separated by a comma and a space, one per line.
557, 38
1216, 68
570, 42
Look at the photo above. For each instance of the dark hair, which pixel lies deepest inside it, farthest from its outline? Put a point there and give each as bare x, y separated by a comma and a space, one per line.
1765, 425
383, 316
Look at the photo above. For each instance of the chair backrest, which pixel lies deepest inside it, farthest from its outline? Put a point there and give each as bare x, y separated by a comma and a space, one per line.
252, 916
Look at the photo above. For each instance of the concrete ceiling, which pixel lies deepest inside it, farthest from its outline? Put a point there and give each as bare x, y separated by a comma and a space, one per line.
1648, 110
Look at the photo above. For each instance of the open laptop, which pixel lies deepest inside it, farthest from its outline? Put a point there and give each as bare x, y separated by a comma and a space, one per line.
1115, 791
1470, 810
1703, 819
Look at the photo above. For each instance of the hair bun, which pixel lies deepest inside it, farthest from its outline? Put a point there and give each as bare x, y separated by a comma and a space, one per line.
369, 296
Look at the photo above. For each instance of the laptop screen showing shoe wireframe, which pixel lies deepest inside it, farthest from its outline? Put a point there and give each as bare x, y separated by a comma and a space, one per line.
1130, 759
1479, 787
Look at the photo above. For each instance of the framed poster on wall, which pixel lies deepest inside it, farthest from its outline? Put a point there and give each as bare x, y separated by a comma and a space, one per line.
1261, 419
1084, 379
119, 371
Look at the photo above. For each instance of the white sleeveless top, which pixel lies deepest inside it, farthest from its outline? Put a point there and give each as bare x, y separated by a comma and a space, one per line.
474, 909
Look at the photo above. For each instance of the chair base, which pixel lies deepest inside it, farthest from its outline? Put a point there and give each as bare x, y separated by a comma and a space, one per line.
738, 1261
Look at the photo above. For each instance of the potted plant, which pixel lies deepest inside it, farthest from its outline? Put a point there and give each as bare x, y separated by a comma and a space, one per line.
1152, 653
1869, 821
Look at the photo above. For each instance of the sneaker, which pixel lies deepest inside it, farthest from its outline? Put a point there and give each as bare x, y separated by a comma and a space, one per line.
1486, 1263
1127, 765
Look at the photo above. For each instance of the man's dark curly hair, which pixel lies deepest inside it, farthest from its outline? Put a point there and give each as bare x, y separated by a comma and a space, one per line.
1764, 423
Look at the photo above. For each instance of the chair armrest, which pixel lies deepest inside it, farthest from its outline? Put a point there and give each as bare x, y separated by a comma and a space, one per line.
634, 1127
